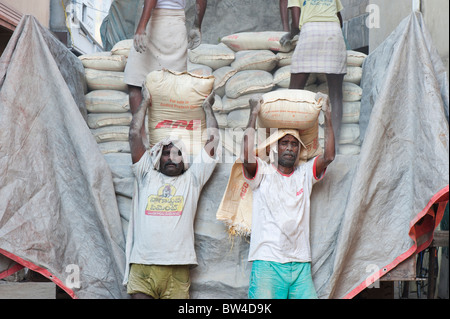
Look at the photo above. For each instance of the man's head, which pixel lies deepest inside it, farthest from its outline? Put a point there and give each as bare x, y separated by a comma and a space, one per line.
171, 162
288, 151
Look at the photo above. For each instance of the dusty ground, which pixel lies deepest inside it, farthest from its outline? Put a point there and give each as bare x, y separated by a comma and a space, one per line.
27, 290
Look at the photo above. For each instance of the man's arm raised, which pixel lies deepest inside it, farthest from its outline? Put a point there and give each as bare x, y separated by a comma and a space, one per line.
329, 145
248, 156
137, 146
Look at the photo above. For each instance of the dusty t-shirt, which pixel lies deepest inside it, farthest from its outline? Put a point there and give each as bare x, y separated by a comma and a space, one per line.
317, 10
163, 223
281, 211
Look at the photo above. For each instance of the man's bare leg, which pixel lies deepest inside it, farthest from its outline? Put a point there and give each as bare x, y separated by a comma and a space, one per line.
135, 99
336, 96
298, 81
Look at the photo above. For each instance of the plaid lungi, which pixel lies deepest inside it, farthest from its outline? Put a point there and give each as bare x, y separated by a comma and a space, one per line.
320, 49
166, 47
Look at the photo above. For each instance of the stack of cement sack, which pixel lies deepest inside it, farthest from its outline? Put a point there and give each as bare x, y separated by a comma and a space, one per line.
247, 63
109, 117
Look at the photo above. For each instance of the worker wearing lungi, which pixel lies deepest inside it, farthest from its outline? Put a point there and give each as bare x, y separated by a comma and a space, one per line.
320, 49
161, 41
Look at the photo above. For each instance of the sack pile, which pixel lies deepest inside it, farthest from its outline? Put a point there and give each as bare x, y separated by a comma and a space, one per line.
247, 63
109, 117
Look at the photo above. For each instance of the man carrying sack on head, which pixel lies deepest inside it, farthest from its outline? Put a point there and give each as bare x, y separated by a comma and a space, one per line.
279, 245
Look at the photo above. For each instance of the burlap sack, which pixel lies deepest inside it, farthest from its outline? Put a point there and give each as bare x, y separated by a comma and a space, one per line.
296, 109
176, 110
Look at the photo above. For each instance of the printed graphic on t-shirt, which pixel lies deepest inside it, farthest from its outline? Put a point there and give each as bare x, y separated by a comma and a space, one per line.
165, 203
319, 2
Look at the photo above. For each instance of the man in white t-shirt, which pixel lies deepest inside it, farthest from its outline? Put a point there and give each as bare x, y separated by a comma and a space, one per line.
279, 245
160, 239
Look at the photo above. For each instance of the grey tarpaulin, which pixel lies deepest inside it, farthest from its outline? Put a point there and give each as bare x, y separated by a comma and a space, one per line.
58, 211
120, 23
373, 211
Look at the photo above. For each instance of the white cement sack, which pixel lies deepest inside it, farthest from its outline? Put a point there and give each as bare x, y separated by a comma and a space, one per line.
217, 106
350, 134
354, 74
212, 55
199, 69
104, 61
114, 147
241, 102
355, 58
122, 47
111, 133
238, 118
349, 149
105, 80
176, 110
282, 77
221, 119
351, 92
254, 60
296, 109
248, 82
284, 58
221, 76
96, 120
265, 40
350, 113
107, 101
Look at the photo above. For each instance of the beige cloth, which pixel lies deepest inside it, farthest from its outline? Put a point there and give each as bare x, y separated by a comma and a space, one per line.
166, 47
235, 210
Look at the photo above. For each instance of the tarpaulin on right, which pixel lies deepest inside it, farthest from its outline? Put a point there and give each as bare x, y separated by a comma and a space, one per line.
374, 211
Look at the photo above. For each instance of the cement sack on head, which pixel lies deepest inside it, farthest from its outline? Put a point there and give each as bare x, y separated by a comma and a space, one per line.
265, 40
177, 99
264, 60
242, 102
282, 77
354, 74
248, 82
122, 47
350, 91
104, 61
212, 55
350, 113
96, 120
310, 138
111, 133
295, 109
221, 76
355, 58
107, 101
105, 80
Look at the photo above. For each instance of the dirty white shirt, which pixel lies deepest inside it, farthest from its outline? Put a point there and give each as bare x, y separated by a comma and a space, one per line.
281, 213
161, 229
171, 4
